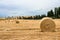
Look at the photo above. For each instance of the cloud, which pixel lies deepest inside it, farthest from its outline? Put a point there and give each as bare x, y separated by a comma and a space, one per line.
26, 7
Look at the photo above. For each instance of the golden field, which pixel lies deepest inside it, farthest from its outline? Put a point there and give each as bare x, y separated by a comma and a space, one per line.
26, 30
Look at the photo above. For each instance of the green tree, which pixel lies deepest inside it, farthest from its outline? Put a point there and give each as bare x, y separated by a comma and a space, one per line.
56, 12
59, 12
50, 13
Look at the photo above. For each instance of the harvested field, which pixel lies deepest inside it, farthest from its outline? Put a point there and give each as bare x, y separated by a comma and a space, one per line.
27, 30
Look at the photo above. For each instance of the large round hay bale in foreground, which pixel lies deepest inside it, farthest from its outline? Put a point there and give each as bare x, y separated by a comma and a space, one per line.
47, 25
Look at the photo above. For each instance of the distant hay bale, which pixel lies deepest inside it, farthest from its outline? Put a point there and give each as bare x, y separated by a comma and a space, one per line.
17, 22
47, 25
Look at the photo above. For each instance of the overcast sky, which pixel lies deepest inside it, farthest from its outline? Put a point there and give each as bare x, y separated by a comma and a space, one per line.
26, 7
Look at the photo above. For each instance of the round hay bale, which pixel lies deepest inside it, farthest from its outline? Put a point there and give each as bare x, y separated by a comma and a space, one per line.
47, 25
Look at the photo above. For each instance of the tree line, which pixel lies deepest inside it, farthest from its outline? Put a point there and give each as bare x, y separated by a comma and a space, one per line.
53, 14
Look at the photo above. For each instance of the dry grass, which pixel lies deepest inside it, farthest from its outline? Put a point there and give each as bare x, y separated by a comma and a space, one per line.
27, 30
